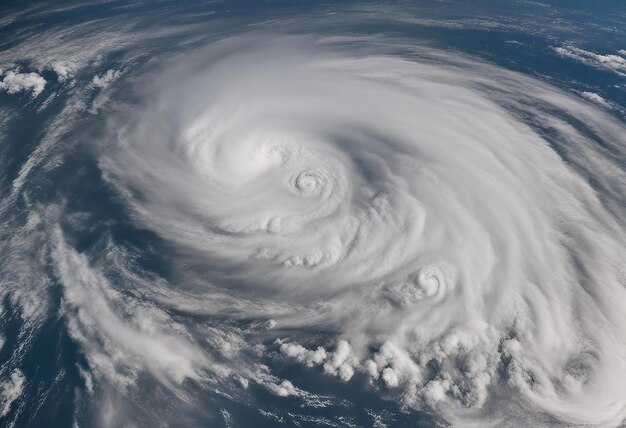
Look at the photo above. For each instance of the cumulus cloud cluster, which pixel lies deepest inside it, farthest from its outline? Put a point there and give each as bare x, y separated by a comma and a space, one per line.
10, 390
340, 363
14, 81
102, 81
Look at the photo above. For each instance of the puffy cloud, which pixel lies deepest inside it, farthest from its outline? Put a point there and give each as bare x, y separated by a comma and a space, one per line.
390, 377
340, 363
284, 389
104, 80
64, 69
592, 96
303, 355
14, 81
435, 391
10, 390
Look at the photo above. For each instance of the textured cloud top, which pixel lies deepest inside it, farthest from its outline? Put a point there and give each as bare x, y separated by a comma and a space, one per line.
410, 202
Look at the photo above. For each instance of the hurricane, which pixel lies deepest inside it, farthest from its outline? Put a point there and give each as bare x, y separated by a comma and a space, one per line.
360, 214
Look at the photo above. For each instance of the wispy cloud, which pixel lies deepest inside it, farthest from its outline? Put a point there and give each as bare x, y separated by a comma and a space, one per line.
609, 62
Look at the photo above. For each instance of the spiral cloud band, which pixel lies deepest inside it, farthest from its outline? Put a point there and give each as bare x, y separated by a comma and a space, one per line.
417, 212
438, 230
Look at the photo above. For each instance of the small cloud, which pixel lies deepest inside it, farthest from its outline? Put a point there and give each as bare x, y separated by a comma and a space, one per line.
64, 69
228, 419
435, 391
592, 96
15, 82
104, 80
10, 390
610, 62
284, 389
302, 355
390, 377
341, 362
243, 382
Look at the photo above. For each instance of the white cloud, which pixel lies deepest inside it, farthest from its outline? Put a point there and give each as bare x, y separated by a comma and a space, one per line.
596, 98
609, 62
228, 419
104, 80
303, 355
435, 391
64, 69
147, 342
341, 362
284, 389
390, 377
68, 50
10, 390
14, 81
448, 249
425, 248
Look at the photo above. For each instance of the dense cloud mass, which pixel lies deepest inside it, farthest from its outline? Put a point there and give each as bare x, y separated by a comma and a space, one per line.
379, 214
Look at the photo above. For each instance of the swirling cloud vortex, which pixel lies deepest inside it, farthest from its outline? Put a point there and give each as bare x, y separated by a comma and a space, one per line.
446, 219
